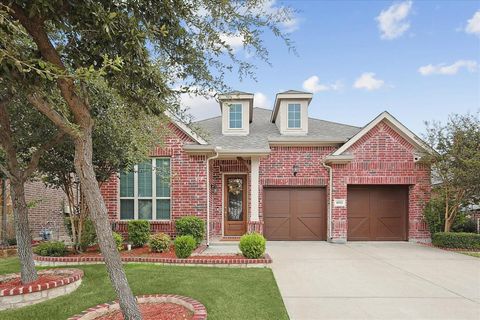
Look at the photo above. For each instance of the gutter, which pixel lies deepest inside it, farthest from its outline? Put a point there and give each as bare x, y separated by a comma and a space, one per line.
330, 196
208, 193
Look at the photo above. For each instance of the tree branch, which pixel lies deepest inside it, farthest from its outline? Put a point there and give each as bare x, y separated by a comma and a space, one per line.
43, 106
33, 164
6, 141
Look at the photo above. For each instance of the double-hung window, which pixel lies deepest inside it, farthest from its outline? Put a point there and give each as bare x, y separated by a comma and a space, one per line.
294, 115
145, 191
235, 116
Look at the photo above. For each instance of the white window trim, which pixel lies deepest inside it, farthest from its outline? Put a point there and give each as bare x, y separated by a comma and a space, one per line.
241, 118
300, 116
154, 197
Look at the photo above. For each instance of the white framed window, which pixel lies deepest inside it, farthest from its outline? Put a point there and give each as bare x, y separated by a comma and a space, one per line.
235, 116
145, 191
294, 116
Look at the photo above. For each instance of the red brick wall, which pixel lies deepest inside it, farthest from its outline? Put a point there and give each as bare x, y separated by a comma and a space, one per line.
383, 157
188, 184
46, 209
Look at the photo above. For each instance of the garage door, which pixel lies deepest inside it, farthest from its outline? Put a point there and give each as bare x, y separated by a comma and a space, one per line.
294, 213
377, 212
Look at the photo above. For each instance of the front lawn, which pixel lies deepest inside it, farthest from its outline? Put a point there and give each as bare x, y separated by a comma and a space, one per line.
472, 254
227, 293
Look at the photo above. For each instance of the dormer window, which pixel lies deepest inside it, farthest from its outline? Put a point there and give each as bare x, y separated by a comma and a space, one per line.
294, 116
235, 116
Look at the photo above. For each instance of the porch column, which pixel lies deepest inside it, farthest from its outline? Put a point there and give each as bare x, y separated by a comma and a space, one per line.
254, 180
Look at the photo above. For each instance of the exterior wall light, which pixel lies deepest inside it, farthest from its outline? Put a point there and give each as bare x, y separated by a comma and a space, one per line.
295, 169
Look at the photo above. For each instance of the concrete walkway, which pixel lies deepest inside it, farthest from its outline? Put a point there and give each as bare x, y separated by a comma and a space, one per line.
375, 280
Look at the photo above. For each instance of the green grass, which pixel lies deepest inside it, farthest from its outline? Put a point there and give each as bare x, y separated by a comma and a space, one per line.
472, 254
227, 293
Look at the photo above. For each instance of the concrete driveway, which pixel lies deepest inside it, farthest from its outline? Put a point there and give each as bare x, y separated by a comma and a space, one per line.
375, 280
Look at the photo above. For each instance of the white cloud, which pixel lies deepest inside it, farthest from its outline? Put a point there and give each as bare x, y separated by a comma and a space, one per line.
473, 24
452, 69
234, 41
260, 100
200, 107
368, 82
392, 22
313, 84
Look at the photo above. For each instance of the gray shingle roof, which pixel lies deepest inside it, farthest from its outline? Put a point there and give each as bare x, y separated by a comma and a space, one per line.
261, 129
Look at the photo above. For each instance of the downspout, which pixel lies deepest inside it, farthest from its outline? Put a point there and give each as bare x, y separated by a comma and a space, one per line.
208, 194
330, 196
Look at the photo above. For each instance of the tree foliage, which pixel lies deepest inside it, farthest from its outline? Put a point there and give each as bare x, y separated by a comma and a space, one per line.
456, 162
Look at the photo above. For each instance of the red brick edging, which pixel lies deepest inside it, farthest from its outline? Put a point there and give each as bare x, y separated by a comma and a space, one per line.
198, 309
75, 275
191, 261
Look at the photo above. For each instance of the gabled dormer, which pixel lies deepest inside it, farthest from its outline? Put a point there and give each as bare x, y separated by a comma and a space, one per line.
290, 112
237, 112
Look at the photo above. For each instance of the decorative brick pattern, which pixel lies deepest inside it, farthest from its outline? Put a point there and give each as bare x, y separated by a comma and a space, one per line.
198, 309
206, 261
31, 294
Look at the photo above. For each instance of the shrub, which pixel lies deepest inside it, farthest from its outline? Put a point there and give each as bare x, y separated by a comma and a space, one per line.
118, 240
138, 232
12, 241
464, 223
88, 237
159, 242
457, 240
434, 215
184, 246
51, 249
192, 226
252, 245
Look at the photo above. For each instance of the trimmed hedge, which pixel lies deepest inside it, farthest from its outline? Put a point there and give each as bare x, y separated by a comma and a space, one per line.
159, 242
184, 246
193, 226
51, 249
138, 232
252, 245
456, 240
118, 240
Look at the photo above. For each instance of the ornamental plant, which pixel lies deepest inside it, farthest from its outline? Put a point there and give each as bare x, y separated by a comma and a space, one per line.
118, 241
138, 232
159, 242
51, 249
191, 225
184, 246
252, 245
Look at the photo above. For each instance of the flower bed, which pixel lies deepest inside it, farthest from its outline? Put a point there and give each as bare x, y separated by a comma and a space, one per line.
50, 284
144, 255
158, 307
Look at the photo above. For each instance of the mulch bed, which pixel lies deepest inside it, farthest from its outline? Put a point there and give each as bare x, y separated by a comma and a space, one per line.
17, 282
155, 311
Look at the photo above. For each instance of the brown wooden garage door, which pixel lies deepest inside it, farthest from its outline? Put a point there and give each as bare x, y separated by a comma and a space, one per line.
294, 213
377, 212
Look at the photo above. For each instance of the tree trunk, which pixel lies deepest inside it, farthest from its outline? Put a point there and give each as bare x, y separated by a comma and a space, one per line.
22, 232
99, 216
4, 210
448, 225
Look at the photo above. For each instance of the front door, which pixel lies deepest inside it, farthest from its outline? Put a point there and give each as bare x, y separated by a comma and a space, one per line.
235, 213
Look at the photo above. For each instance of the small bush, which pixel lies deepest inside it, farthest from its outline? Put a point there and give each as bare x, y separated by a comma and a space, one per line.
118, 240
434, 215
464, 223
12, 241
192, 226
252, 245
184, 246
88, 237
457, 240
138, 232
159, 242
51, 249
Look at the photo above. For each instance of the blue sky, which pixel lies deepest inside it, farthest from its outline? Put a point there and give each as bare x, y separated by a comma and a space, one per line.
419, 60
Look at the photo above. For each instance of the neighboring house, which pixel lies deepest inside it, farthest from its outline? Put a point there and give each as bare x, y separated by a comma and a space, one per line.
280, 173
45, 210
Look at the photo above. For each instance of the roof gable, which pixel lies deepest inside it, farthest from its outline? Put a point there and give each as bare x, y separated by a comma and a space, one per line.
185, 129
393, 123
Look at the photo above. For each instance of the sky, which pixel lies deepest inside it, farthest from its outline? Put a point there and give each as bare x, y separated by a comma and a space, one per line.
419, 60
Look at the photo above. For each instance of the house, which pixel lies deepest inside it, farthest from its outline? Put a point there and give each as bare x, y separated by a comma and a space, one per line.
281, 173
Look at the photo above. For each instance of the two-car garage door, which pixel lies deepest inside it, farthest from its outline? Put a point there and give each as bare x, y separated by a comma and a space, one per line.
374, 212
294, 213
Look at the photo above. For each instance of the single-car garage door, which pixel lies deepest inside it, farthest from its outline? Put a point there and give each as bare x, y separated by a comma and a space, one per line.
377, 212
294, 213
